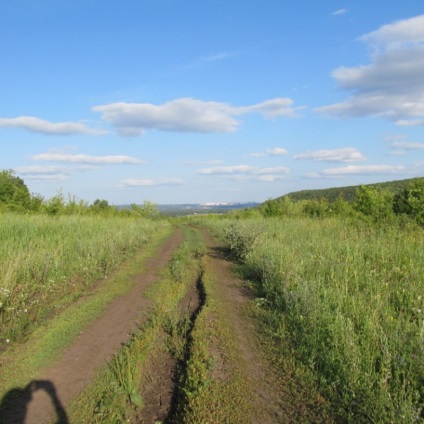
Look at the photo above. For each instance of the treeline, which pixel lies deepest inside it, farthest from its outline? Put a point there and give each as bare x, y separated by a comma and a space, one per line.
375, 204
348, 193
15, 197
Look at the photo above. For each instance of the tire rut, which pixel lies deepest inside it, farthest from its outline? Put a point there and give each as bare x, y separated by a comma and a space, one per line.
161, 392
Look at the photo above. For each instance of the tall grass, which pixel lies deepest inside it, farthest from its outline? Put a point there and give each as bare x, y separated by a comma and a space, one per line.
349, 301
46, 262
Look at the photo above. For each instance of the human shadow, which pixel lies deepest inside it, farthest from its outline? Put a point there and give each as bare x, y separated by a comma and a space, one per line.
14, 405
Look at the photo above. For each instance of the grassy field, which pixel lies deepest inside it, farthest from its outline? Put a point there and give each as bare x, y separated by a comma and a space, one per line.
347, 300
343, 300
48, 262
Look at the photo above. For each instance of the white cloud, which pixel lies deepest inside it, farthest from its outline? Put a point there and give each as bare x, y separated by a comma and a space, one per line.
346, 154
186, 115
37, 125
87, 159
134, 182
399, 141
410, 122
392, 85
43, 173
272, 171
204, 162
358, 170
244, 173
408, 145
270, 108
222, 170
407, 31
39, 169
277, 151
339, 12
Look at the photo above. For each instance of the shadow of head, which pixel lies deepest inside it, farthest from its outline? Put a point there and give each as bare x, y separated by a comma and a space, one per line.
14, 405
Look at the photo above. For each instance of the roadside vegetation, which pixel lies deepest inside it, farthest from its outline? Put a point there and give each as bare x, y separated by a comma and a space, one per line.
343, 295
46, 264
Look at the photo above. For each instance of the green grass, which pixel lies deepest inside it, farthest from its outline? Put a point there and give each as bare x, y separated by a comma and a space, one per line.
348, 300
46, 263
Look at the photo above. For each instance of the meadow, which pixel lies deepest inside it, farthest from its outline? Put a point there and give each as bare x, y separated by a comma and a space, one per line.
346, 300
48, 262
337, 291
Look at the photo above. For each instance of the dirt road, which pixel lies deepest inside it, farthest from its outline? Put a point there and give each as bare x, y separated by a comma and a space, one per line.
45, 399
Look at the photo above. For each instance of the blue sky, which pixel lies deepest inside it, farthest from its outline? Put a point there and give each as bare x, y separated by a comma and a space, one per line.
195, 101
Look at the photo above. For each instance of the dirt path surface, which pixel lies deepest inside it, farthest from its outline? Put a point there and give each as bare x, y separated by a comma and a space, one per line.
93, 348
269, 407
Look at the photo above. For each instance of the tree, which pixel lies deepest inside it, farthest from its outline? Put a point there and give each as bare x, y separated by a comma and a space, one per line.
374, 203
147, 210
416, 201
13, 190
55, 205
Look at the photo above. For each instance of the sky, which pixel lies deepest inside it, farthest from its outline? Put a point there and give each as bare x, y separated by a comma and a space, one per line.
194, 101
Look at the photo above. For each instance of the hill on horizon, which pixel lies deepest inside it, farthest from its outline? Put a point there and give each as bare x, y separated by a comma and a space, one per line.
349, 192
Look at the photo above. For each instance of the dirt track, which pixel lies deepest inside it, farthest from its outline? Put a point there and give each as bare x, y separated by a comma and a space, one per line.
92, 349
45, 399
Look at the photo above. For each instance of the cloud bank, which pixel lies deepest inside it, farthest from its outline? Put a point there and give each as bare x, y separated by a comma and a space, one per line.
392, 85
187, 115
43, 173
358, 170
139, 182
37, 125
346, 154
277, 151
87, 159
243, 172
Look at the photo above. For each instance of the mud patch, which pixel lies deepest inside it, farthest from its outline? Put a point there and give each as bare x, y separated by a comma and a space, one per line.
158, 383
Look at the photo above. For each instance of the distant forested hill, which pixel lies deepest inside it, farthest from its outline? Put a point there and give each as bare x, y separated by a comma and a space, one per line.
347, 193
